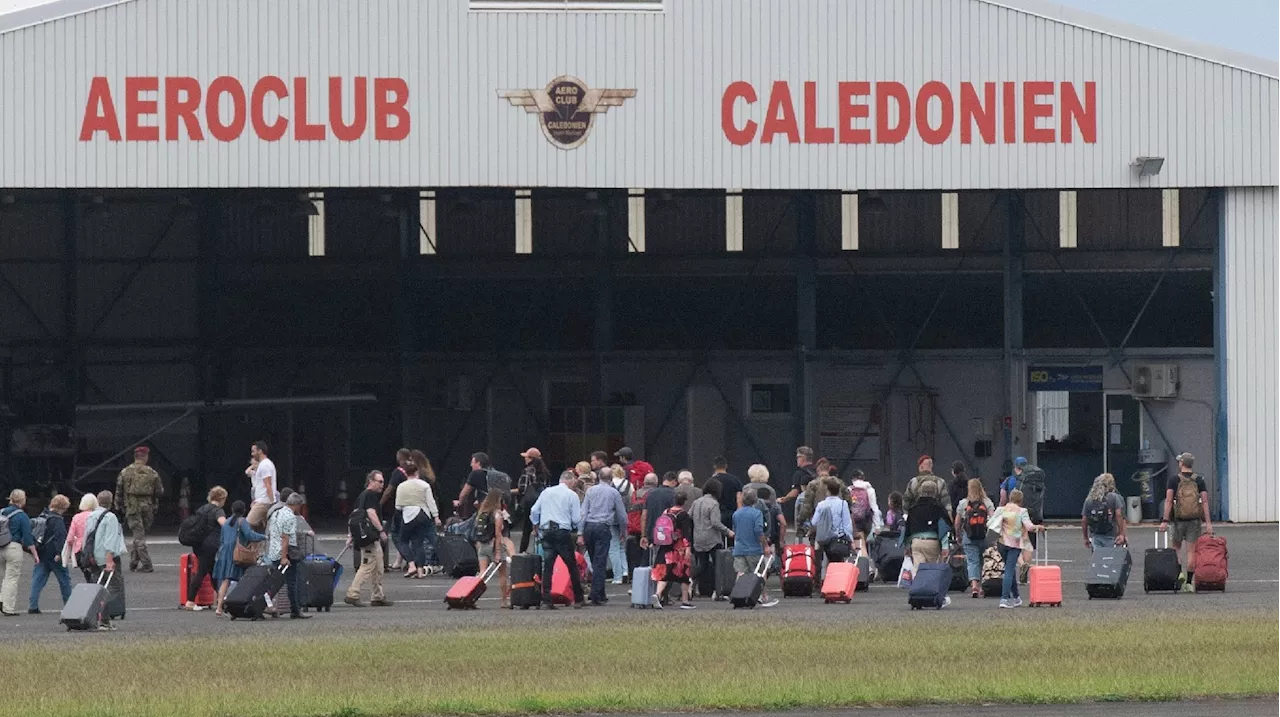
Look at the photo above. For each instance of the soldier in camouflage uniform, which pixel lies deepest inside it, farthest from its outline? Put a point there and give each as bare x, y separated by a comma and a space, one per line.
141, 488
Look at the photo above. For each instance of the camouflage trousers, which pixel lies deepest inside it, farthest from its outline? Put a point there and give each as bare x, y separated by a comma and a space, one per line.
139, 514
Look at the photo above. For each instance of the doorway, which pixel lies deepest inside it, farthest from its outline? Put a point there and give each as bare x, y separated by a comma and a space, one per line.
1080, 435
1124, 441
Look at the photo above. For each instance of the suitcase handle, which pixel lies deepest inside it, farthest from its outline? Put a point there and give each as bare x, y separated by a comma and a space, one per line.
489, 572
761, 570
1159, 533
110, 574
1035, 556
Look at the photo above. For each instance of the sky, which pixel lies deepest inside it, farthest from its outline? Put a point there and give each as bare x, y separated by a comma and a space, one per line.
1250, 26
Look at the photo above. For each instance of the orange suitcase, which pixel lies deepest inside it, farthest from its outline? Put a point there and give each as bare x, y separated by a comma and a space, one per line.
1044, 580
840, 582
187, 565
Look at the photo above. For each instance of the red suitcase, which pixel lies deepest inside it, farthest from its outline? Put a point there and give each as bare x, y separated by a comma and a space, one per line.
1044, 580
561, 584
840, 582
467, 591
1211, 563
188, 565
798, 570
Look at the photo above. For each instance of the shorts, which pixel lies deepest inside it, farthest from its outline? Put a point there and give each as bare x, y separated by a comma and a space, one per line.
484, 551
863, 526
1185, 531
744, 564
257, 517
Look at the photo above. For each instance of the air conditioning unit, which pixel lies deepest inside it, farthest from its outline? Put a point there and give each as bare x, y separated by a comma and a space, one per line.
1157, 380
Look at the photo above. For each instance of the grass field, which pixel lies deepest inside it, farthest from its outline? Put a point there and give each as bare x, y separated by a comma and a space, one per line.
638, 663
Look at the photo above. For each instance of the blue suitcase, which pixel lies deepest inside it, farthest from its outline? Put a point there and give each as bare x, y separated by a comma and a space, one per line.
929, 586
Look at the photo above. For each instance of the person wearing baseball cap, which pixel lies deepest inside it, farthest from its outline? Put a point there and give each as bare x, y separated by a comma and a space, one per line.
1186, 503
139, 488
636, 469
533, 480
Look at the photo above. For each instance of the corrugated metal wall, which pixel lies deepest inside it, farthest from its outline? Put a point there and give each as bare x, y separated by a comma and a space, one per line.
1215, 125
1251, 257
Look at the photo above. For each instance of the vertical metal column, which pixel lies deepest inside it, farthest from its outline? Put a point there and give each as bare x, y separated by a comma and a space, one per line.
73, 366
604, 298
207, 319
405, 329
806, 309
1013, 250
1222, 509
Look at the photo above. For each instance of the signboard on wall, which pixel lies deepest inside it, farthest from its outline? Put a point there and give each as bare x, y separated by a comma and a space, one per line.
841, 424
1079, 379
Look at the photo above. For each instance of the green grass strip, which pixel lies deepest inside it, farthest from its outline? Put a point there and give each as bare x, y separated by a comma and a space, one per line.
644, 662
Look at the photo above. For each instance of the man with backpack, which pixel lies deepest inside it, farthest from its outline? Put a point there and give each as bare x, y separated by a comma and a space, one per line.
15, 539
1029, 479
50, 534
476, 487
657, 502
916, 486
1102, 517
1186, 501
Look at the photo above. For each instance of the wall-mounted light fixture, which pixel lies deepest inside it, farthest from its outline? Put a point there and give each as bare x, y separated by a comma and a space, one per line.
1148, 166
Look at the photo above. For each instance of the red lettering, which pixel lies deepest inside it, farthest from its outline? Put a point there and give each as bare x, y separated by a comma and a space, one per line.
1010, 106
886, 134
975, 112
1033, 109
929, 92
341, 130
851, 109
99, 112
780, 118
232, 88
181, 103
1084, 116
813, 134
135, 108
737, 91
304, 131
274, 131
384, 109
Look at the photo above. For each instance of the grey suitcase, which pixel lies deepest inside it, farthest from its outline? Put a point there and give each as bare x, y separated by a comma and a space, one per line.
642, 586
725, 574
1109, 573
86, 609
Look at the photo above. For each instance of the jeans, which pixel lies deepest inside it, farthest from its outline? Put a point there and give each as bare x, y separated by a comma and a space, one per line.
411, 543
291, 584
973, 558
40, 576
1009, 587
617, 555
1102, 541
558, 543
597, 537
429, 539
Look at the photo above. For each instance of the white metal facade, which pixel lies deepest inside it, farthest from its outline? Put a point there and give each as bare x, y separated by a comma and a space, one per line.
1215, 123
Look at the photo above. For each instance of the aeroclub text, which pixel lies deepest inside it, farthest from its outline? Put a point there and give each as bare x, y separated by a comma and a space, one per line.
890, 112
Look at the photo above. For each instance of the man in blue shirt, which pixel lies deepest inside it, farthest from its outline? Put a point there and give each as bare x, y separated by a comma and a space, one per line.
557, 515
751, 542
19, 541
833, 525
602, 513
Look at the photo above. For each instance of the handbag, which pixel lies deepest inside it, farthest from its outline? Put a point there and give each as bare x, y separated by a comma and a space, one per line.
246, 555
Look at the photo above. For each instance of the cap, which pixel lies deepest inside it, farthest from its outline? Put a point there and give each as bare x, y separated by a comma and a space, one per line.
624, 453
922, 459
531, 453
141, 451
1019, 462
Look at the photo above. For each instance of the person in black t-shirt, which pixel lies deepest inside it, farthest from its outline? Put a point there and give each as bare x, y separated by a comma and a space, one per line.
730, 489
1189, 513
371, 566
476, 487
805, 472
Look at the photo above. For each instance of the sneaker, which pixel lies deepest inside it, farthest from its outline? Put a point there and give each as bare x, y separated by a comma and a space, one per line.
1005, 603
34, 611
107, 627
354, 602
688, 606
381, 603
657, 604
299, 616
1188, 588
946, 601
771, 603
1017, 602
616, 582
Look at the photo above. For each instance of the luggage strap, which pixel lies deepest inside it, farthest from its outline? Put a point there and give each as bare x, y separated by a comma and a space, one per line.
522, 586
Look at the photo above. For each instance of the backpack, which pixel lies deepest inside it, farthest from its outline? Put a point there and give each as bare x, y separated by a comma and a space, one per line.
804, 512
501, 482
664, 530
637, 471
483, 530
861, 508
85, 558
5, 536
634, 513
1099, 516
975, 522
1031, 483
194, 529
361, 529
1186, 500
40, 529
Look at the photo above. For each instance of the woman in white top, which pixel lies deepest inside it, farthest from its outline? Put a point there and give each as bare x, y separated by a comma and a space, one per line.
972, 524
417, 505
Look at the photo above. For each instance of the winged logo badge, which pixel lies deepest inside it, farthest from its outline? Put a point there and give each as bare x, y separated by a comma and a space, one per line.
566, 108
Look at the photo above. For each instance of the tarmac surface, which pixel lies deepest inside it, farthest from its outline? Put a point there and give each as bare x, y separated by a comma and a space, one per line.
153, 611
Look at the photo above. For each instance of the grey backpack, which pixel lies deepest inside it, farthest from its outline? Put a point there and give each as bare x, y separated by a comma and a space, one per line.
5, 536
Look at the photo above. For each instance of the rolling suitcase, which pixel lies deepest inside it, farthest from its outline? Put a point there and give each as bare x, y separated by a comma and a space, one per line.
864, 572
959, 570
1044, 580
748, 588
561, 584
797, 571
86, 609
840, 582
251, 596
929, 586
1108, 573
726, 576
318, 580
1211, 564
187, 566
992, 572
637, 557
1160, 567
888, 556
457, 556
464, 593
526, 581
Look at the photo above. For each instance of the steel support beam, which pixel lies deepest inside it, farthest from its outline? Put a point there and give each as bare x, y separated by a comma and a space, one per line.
406, 333
603, 338
1221, 458
138, 266
806, 312
1012, 258
74, 389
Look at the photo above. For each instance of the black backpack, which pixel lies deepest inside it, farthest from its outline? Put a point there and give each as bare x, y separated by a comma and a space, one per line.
85, 558
194, 529
484, 528
1099, 516
975, 522
500, 482
1031, 483
361, 529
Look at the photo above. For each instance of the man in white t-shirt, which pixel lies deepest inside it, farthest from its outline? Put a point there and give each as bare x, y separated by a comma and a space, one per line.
262, 478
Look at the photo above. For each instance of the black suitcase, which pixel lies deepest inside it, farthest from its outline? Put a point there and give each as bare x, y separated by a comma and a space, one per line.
115, 596
704, 568
317, 579
864, 574
888, 556
249, 598
526, 584
1160, 567
1108, 573
929, 586
86, 609
726, 576
959, 572
457, 556
748, 588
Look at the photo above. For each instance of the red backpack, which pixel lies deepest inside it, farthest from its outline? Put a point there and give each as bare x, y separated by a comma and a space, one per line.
637, 471
634, 526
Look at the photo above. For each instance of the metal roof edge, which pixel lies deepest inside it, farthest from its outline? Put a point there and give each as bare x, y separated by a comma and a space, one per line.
50, 12
1057, 12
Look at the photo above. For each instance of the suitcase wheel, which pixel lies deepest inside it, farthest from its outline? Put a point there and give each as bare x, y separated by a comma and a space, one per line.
826, 600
